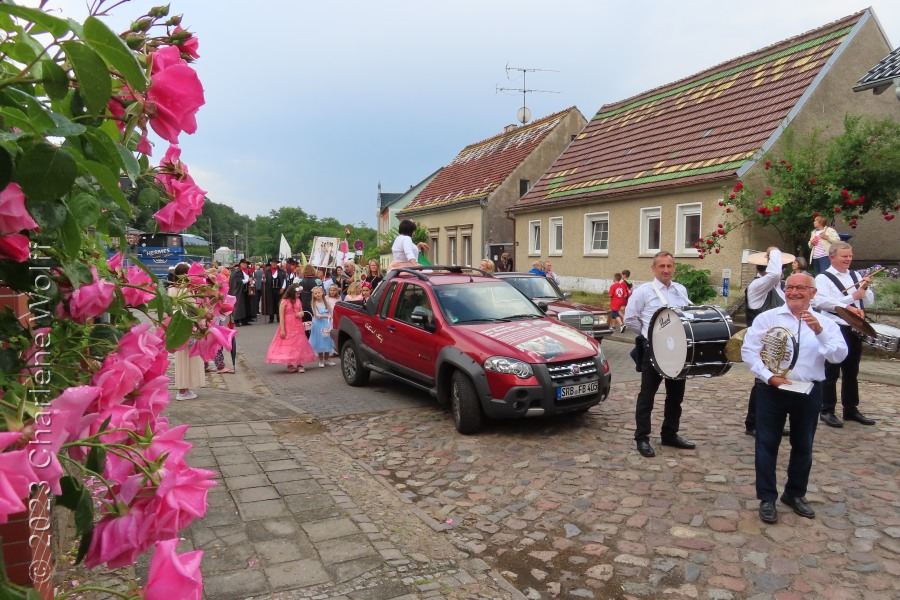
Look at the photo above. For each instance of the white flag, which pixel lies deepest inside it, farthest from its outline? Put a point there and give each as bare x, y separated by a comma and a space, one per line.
284, 250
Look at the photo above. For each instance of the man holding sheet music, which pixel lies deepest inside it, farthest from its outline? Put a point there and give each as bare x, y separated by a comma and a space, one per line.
797, 393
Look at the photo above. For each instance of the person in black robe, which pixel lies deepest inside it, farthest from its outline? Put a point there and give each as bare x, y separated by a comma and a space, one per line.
273, 287
237, 287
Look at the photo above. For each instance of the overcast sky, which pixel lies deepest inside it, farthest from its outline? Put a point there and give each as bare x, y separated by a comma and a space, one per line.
312, 104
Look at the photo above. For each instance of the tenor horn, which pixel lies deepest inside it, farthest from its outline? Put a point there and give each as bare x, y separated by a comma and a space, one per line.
778, 347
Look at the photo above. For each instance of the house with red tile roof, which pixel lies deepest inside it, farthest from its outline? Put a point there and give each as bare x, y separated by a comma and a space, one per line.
647, 173
465, 206
389, 204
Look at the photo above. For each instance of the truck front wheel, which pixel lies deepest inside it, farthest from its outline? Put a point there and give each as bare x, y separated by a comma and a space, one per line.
465, 405
355, 373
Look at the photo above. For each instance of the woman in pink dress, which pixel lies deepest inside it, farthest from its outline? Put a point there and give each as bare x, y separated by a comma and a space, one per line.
290, 346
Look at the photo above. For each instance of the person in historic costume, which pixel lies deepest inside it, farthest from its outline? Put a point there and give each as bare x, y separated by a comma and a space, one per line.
237, 287
274, 284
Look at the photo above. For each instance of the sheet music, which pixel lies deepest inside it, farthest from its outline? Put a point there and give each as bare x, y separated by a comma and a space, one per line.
799, 387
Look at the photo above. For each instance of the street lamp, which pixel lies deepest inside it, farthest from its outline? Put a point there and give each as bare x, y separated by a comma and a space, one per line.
236, 233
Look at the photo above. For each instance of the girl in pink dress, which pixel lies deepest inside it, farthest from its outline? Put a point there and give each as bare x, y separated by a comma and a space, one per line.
290, 346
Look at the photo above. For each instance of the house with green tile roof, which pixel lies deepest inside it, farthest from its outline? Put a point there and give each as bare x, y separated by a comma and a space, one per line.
647, 173
465, 206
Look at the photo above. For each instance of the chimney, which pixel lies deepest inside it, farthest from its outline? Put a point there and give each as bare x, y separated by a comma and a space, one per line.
511, 127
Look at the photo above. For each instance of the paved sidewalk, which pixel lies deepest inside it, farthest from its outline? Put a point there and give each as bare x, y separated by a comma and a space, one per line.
281, 527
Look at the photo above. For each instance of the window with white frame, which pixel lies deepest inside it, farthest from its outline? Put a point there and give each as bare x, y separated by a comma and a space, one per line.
556, 236
687, 228
467, 250
451, 250
596, 233
651, 230
534, 237
434, 248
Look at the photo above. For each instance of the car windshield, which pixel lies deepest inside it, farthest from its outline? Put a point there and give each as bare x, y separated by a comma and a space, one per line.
489, 301
534, 287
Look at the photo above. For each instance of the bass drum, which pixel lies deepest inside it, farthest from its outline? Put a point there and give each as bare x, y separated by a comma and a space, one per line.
690, 341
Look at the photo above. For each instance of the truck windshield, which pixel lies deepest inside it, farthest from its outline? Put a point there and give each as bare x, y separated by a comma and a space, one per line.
534, 287
488, 301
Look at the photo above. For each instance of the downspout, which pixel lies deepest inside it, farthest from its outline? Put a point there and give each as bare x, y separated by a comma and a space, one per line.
485, 251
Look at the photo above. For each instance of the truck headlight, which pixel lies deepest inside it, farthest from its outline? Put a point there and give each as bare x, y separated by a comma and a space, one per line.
508, 366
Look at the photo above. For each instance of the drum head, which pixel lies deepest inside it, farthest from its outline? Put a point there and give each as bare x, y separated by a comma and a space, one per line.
668, 342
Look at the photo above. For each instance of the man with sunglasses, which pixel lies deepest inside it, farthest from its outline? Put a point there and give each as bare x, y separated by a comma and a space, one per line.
814, 340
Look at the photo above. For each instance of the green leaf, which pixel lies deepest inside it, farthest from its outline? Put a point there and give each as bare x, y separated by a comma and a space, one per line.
132, 169
71, 236
9, 361
92, 74
102, 340
84, 546
86, 209
104, 150
71, 491
78, 273
107, 180
179, 331
6, 168
45, 22
115, 52
63, 127
54, 78
96, 460
45, 172
49, 215
13, 117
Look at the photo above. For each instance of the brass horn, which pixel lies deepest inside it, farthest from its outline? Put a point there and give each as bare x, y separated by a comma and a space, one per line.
733, 346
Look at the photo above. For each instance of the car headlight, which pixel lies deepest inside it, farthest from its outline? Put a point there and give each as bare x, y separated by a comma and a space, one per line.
601, 355
508, 366
601, 321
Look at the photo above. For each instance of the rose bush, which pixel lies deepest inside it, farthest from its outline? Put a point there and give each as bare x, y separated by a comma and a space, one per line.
842, 178
84, 380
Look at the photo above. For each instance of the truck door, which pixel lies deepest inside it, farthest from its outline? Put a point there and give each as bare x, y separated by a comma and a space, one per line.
411, 347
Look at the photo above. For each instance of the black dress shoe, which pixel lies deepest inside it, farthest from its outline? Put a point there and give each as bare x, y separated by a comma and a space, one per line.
750, 431
799, 505
645, 449
829, 419
857, 416
678, 442
767, 512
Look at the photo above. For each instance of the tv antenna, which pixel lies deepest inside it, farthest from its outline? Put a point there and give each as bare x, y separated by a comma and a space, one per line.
524, 113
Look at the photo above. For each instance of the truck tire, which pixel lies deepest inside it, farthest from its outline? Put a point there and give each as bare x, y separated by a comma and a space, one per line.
355, 374
464, 402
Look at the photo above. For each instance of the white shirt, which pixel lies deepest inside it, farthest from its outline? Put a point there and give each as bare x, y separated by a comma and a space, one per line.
404, 250
760, 287
645, 302
813, 349
828, 297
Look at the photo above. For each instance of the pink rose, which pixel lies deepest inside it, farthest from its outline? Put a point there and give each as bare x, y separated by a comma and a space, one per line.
172, 575
216, 337
92, 300
13, 215
135, 275
115, 262
16, 477
14, 246
190, 45
175, 95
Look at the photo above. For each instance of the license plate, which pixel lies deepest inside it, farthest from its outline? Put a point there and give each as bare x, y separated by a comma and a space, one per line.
581, 389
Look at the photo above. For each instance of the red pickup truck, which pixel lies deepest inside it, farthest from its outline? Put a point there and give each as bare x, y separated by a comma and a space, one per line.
472, 341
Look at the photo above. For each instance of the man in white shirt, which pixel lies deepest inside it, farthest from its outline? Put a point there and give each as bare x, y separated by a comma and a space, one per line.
764, 293
836, 288
548, 271
644, 303
817, 340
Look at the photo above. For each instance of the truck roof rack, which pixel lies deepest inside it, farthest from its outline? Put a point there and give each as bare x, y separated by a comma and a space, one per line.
422, 272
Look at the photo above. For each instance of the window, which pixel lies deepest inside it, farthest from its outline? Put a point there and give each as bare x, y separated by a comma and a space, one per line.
412, 297
524, 184
451, 250
433, 236
467, 250
687, 228
388, 296
556, 236
596, 234
650, 230
534, 237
